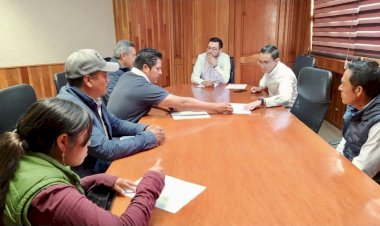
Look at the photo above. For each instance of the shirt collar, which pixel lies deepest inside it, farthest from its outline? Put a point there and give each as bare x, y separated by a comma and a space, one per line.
140, 73
368, 103
98, 101
274, 70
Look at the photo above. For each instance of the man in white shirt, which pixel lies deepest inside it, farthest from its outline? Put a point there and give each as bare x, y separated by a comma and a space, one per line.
360, 89
213, 66
278, 78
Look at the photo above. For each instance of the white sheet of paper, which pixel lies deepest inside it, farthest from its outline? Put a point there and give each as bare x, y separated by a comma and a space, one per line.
239, 109
176, 194
236, 86
189, 115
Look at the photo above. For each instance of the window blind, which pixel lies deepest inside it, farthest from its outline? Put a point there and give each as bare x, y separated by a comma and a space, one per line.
346, 28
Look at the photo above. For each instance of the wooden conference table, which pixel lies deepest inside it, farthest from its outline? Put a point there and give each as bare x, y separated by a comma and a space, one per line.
266, 168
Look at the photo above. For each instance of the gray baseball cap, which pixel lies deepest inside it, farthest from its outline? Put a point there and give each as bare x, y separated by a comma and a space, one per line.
87, 61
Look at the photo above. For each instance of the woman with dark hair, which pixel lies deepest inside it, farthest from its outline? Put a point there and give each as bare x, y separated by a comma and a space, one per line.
37, 185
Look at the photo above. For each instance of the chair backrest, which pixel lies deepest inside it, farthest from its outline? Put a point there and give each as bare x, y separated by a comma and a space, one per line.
14, 102
301, 62
232, 72
314, 87
60, 80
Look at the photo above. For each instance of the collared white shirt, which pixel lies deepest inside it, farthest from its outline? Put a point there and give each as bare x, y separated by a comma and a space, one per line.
99, 103
140, 73
282, 86
203, 70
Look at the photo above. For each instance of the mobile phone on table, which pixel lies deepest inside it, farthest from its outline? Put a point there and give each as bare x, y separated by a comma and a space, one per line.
239, 90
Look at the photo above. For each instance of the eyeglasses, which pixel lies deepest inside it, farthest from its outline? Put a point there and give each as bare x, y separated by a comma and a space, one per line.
212, 48
264, 63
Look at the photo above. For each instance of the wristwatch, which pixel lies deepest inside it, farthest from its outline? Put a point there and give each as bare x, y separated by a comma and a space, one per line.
262, 101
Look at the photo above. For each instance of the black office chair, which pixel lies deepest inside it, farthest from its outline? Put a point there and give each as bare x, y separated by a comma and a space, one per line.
314, 86
14, 101
60, 80
301, 62
232, 72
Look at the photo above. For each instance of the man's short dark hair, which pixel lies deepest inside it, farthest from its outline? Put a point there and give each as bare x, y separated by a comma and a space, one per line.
216, 39
367, 75
147, 56
272, 50
77, 82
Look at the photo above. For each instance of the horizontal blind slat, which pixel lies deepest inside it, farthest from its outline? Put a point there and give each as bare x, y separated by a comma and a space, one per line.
332, 3
337, 13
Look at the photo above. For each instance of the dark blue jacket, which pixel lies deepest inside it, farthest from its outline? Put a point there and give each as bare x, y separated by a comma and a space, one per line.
356, 127
104, 149
113, 77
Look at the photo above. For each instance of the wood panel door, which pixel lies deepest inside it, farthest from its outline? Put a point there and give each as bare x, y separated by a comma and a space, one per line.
194, 23
256, 25
284, 23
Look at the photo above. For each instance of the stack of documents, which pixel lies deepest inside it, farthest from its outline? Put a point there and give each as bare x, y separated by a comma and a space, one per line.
189, 115
176, 194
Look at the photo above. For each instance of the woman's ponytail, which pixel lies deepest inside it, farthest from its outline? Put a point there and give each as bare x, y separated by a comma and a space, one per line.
11, 151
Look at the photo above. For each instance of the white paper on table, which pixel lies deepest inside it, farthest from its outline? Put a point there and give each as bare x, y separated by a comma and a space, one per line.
176, 194
189, 115
236, 86
238, 108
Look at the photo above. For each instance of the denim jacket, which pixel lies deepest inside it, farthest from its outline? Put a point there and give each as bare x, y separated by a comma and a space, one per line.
104, 149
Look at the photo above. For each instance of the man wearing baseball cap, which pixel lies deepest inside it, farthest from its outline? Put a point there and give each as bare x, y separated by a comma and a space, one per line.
86, 72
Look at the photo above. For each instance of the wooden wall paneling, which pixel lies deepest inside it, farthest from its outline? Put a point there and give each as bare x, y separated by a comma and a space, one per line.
122, 19
231, 28
302, 41
35, 76
294, 29
336, 108
211, 18
333, 65
10, 77
260, 25
256, 25
178, 43
147, 23
40, 77
238, 18
282, 42
187, 45
249, 70
167, 37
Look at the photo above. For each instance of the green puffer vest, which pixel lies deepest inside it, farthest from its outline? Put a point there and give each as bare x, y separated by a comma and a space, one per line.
35, 172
